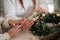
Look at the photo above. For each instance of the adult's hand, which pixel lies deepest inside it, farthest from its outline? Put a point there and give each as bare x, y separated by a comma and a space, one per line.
13, 22
26, 23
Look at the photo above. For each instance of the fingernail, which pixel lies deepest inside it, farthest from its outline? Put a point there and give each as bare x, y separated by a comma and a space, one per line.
13, 24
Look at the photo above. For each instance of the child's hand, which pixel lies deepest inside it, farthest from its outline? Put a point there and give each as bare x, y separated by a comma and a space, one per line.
14, 30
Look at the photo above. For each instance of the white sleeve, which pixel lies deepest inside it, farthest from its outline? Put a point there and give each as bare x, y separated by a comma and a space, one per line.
43, 4
4, 36
9, 8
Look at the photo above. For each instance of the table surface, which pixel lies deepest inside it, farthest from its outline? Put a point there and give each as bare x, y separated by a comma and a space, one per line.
25, 35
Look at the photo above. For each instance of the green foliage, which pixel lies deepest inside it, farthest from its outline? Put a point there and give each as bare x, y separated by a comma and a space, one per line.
41, 29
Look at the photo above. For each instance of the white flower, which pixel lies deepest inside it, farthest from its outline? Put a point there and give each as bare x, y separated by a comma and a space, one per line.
43, 14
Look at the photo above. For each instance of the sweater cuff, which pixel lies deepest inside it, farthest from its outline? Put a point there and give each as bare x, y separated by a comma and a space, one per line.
7, 36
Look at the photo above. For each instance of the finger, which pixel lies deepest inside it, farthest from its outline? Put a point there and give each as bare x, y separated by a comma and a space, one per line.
28, 25
18, 22
18, 27
13, 24
18, 30
23, 24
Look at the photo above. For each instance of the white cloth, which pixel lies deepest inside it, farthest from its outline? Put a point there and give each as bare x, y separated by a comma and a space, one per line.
45, 3
13, 8
4, 36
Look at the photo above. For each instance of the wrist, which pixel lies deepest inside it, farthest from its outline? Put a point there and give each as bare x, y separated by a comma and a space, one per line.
9, 35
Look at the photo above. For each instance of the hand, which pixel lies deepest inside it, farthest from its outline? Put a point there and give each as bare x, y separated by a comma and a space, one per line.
15, 22
26, 24
14, 30
41, 10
